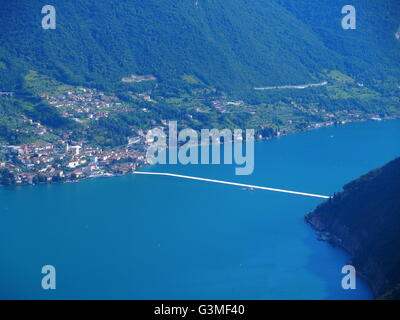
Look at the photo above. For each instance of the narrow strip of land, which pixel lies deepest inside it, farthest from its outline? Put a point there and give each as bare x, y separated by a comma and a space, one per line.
233, 184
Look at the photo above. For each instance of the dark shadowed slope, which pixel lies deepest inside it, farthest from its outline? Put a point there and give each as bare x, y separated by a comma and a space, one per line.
365, 220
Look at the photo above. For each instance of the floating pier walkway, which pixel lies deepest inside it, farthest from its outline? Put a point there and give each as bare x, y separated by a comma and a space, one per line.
233, 184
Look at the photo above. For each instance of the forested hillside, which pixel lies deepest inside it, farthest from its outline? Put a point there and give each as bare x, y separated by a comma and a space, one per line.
365, 220
233, 45
200, 62
371, 51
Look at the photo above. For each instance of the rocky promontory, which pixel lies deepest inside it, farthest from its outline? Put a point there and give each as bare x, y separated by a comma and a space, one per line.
364, 219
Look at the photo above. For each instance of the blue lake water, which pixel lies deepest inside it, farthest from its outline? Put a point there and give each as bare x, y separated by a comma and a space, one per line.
149, 237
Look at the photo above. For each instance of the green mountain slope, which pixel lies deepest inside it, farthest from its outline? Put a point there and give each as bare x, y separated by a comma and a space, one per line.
371, 51
233, 45
365, 220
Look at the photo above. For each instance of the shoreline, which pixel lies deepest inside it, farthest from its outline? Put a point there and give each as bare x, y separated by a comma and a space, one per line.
334, 241
144, 165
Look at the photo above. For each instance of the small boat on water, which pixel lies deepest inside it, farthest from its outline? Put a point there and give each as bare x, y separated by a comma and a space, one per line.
249, 189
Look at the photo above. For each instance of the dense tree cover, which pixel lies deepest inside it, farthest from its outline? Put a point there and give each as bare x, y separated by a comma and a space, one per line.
231, 45
11, 110
50, 116
371, 52
40, 178
6, 178
366, 219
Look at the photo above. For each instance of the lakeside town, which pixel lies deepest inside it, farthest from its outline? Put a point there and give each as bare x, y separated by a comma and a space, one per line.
41, 163
56, 163
58, 157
